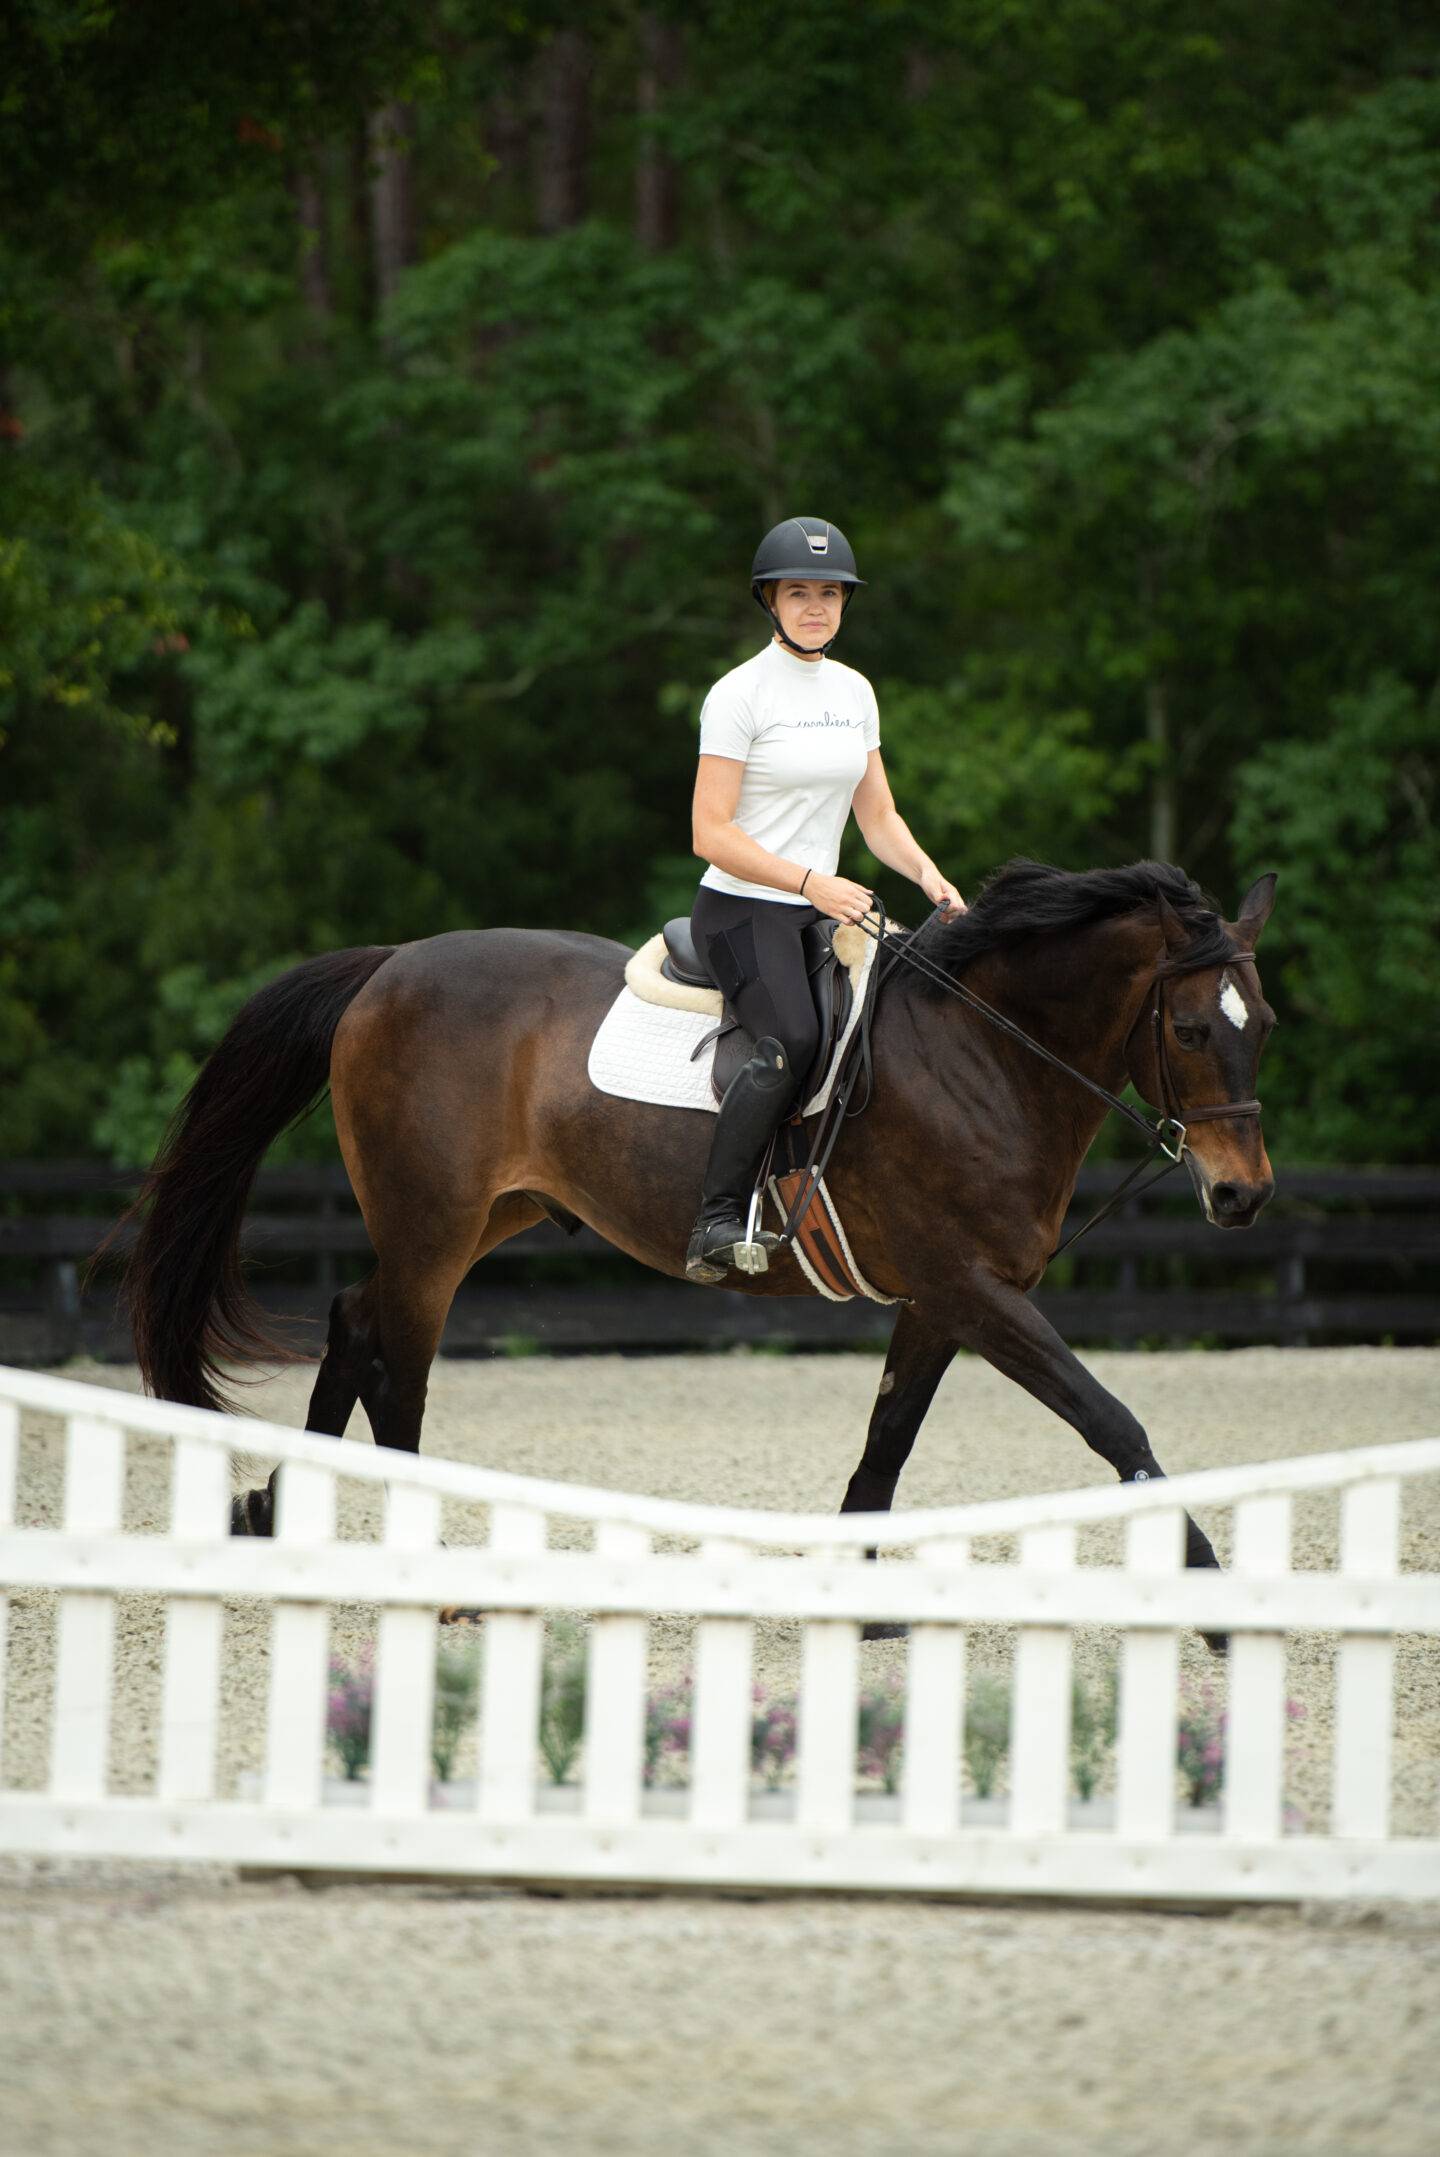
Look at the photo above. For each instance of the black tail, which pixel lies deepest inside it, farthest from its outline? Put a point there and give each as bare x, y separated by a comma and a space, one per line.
184, 1288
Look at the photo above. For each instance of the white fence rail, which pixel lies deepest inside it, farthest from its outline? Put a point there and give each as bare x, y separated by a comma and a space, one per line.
743, 1567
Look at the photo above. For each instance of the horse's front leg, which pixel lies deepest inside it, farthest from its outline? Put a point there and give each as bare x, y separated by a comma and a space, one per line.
1001, 1323
920, 1353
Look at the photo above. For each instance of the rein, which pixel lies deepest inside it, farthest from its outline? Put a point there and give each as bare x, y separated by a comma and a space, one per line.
1168, 1133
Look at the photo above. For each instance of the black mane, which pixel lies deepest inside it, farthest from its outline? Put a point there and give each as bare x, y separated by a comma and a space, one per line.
1030, 898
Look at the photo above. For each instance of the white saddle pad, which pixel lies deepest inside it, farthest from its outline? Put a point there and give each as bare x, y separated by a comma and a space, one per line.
644, 1048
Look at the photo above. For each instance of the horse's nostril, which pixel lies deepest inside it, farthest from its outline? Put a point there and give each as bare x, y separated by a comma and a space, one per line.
1225, 1198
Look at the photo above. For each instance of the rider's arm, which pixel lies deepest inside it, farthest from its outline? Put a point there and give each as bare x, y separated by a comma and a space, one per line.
883, 828
890, 839
718, 839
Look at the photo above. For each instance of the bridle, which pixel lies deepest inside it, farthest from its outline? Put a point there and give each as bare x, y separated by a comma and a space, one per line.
1167, 970
1168, 1134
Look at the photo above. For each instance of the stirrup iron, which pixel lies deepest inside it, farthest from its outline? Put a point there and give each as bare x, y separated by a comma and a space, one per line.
751, 1256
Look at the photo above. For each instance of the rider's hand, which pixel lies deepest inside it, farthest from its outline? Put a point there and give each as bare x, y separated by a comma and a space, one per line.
839, 898
938, 889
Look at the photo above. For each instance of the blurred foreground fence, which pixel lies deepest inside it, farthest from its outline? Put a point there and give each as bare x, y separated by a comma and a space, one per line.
1340, 1255
717, 1570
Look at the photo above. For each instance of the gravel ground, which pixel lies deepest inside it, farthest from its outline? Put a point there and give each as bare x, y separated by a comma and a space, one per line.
167, 2013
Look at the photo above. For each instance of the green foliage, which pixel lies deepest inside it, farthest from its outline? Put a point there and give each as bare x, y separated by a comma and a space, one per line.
562, 1698
1109, 335
1357, 957
457, 1693
987, 1730
1094, 1718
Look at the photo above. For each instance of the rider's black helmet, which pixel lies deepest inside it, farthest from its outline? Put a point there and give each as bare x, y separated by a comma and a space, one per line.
802, 547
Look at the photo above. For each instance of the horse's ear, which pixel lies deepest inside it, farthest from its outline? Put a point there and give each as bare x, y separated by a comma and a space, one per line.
1255, 910
1177, 936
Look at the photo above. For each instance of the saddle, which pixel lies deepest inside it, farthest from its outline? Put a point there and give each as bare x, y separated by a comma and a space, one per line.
830, 990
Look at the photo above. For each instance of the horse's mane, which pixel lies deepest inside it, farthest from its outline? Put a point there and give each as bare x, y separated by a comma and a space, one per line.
1030, 898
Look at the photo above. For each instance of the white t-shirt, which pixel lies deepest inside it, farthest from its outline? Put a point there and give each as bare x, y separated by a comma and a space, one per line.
803, 729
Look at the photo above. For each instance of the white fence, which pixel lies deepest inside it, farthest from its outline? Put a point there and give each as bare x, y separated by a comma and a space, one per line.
740, 1567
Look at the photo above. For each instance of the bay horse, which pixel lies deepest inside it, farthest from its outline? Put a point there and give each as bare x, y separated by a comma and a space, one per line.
457, 1068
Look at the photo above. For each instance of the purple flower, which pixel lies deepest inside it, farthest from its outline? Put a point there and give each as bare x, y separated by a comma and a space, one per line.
348, 1709
667, 1724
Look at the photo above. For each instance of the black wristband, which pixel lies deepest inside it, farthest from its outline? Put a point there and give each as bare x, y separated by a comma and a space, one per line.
803, 882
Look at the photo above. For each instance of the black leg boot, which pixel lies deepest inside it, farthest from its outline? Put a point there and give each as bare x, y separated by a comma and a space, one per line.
750, 1114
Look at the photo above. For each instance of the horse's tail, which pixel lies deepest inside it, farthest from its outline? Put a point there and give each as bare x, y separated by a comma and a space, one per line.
183, 1284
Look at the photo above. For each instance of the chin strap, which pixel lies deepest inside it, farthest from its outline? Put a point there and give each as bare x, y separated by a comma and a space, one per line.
805, 650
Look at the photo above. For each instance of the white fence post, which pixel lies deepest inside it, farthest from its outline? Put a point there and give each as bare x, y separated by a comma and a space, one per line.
194, 1629
510, 1707
615, 1694
1040, 1710
299, 1647
9, 1453
404, 1703
1149, 1688
1255, 1737
934, 1712
829, 1711
85, 1646
1365, 1669
722, 1710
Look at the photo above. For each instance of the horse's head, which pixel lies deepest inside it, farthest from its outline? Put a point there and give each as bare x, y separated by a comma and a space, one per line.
1196, 1051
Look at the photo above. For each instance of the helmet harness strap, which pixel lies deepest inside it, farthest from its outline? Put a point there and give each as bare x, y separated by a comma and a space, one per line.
808, 651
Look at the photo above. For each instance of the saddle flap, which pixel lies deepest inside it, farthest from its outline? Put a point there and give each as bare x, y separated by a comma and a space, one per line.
833, 996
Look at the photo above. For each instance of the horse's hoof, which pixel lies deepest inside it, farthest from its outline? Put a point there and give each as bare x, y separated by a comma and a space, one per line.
1217, 1643
453, 1614
882, 1630
250, 1513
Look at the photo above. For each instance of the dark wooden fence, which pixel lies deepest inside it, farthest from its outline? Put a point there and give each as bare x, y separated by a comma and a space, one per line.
1340, 1255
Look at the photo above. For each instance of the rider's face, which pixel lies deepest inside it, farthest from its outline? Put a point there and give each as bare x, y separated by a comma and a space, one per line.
809, 611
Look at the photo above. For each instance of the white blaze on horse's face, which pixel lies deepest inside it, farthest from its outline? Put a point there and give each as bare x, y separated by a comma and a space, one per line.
1232, 1003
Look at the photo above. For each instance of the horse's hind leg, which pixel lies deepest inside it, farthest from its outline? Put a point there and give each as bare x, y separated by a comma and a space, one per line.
413, 1300
384, 1336
347, 1368
348, 1372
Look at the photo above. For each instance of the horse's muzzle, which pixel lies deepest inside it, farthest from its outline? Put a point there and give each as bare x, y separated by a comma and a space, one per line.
1229, 1201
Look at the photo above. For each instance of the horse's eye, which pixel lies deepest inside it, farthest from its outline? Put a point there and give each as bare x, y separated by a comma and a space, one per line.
1192, 1033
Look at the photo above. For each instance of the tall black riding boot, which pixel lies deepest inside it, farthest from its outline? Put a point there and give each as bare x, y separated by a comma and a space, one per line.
755, 1100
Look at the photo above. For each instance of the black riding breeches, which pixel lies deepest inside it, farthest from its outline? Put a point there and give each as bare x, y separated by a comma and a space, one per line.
754, 950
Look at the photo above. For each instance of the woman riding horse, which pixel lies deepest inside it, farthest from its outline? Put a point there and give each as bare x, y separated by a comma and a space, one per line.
458, 1070
789, 744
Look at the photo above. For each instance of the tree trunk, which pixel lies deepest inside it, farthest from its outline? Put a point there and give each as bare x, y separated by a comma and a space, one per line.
358, 263
919, 74
656, 188
505, 126
1164, 803
392, 200
1164, 778
563, 141
314, 253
